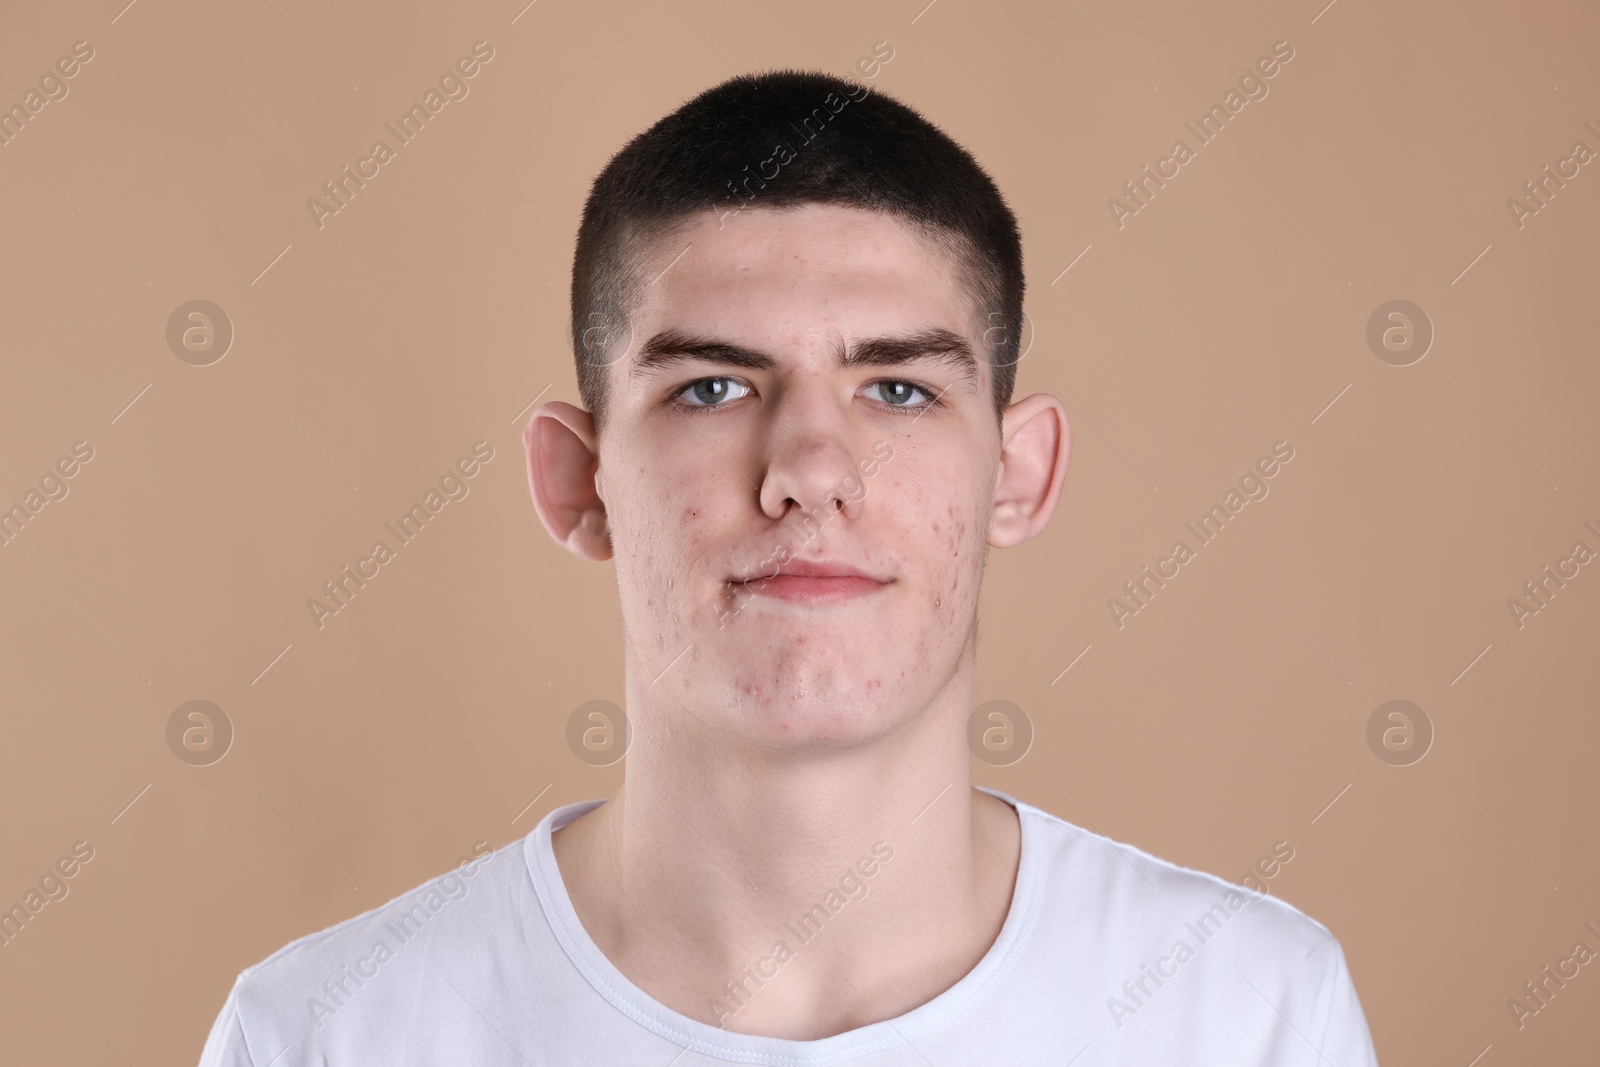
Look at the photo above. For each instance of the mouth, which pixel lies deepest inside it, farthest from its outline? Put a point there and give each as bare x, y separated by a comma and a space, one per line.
814, 582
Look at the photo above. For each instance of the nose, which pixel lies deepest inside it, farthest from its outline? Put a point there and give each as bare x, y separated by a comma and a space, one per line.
812, 468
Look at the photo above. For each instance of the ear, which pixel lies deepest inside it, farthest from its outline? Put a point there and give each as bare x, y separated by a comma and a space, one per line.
563, 474
1034, 443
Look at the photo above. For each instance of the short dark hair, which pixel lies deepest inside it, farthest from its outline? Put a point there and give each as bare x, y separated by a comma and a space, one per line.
845, 144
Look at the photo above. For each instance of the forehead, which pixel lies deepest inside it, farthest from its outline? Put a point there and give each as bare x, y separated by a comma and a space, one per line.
796, 278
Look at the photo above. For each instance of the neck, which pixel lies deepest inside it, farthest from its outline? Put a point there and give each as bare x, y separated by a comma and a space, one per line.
761, 887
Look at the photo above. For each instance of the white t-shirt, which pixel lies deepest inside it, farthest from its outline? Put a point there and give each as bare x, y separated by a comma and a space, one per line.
1107, 956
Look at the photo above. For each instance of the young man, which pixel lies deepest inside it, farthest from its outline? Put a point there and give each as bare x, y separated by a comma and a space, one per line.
796, 311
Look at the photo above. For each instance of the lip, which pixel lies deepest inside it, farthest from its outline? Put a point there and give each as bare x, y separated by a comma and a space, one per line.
817, 581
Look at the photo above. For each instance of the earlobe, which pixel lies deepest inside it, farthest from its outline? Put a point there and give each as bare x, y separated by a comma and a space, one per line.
1035, 443
564, 476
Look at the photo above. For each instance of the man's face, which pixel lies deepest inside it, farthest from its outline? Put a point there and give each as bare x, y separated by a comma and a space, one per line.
737, 446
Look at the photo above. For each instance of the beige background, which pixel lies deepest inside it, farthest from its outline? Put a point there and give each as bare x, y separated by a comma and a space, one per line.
1228, 314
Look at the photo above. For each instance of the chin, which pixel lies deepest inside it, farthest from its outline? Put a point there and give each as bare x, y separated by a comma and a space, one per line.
799, 716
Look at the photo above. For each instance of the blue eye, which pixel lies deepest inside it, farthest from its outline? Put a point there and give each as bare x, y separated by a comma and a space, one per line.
711, 392
898, 393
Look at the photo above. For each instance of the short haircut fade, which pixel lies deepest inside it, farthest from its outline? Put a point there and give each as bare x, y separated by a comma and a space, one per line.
831, 141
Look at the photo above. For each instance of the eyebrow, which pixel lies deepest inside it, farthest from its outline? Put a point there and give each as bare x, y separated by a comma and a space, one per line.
934, 344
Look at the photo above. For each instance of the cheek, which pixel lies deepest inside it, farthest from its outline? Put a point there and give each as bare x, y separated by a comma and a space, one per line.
956, 536
672, 529
930, 524
957, 527
947, 555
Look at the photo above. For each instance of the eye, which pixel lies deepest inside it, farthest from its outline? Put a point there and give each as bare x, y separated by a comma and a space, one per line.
710, 392
899, 393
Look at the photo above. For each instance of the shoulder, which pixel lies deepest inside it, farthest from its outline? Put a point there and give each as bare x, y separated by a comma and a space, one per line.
1186, 965
291, 994
1128, 894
